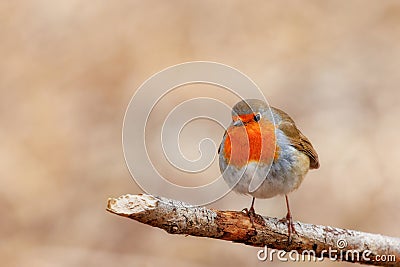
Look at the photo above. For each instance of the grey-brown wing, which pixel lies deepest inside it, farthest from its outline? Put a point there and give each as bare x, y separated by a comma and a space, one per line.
297, 138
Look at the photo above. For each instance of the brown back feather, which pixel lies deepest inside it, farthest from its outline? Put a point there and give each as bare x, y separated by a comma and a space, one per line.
297, 138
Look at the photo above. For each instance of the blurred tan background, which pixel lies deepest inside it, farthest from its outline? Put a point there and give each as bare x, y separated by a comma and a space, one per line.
69, 68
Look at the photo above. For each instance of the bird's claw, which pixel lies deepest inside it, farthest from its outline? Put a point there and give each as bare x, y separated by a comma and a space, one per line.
253, 216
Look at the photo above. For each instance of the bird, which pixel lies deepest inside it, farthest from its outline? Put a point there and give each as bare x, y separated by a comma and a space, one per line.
263, 148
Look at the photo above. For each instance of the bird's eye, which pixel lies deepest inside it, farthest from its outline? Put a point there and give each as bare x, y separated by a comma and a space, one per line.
257, 117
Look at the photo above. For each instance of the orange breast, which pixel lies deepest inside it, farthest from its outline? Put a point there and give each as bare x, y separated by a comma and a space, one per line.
251, 142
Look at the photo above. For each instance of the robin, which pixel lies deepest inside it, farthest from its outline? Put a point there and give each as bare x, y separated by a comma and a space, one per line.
263, 144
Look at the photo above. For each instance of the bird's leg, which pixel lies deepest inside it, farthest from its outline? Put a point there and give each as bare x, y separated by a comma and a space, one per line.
254, 217
251, 210
288, 219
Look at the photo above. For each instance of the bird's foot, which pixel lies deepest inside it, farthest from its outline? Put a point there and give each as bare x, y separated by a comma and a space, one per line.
253, 216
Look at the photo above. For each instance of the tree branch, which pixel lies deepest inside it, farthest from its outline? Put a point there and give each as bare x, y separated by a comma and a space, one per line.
177, 217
